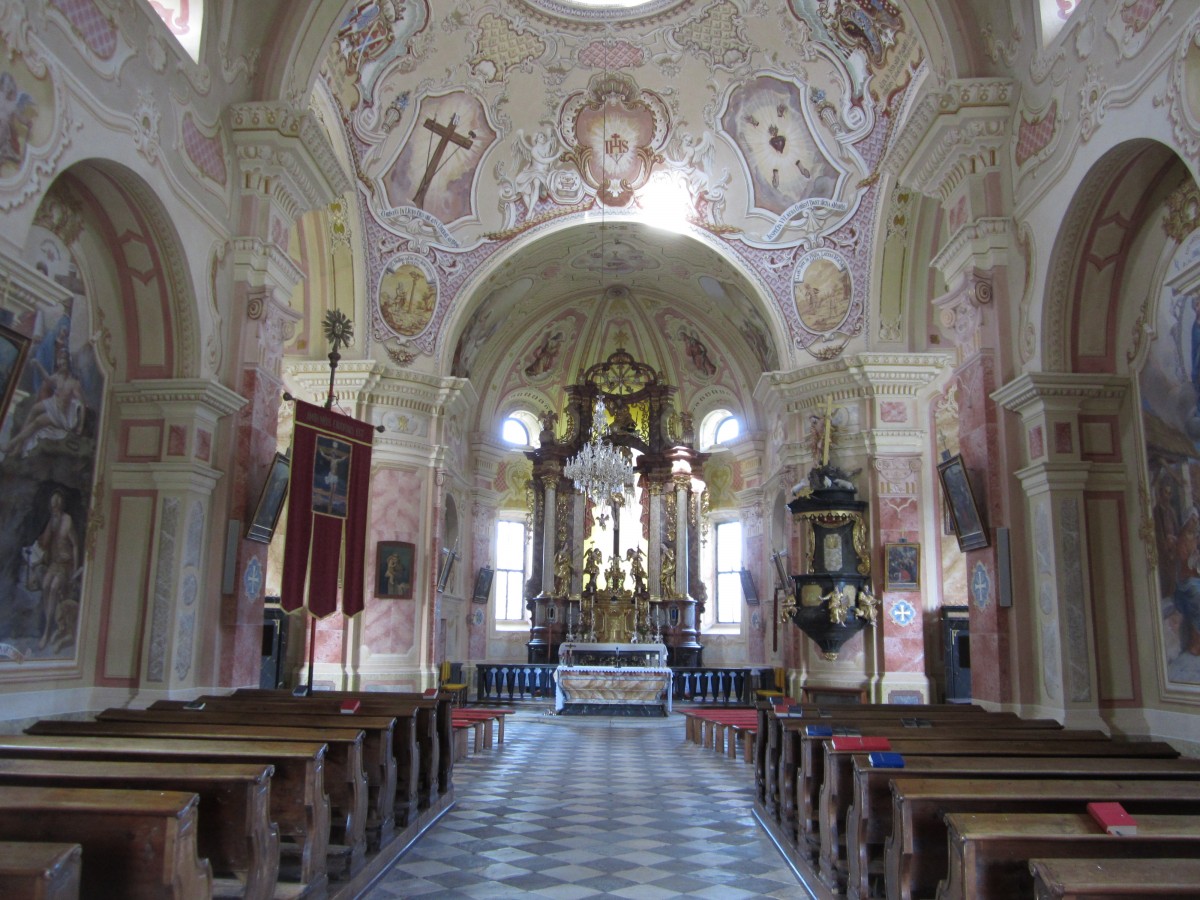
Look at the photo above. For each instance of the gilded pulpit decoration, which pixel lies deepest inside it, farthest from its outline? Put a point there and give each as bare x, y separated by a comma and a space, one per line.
833, 600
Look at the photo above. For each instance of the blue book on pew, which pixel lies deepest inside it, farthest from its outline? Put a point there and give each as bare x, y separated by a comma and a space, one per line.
818, 731
885, 759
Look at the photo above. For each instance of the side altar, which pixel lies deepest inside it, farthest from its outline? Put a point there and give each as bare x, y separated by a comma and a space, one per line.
600, 678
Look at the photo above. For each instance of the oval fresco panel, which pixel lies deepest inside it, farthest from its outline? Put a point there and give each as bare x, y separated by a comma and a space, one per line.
822, 289
407, 295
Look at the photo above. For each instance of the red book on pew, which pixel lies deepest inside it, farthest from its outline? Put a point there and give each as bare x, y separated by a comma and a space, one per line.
1113, 818
350, 706
862, 744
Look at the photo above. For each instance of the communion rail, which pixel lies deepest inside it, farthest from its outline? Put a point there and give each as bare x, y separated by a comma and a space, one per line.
515, 681
710, 684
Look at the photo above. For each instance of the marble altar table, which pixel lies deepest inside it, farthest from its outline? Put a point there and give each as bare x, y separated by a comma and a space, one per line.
588, 687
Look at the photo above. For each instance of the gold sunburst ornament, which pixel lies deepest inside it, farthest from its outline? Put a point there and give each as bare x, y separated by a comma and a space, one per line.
339, 330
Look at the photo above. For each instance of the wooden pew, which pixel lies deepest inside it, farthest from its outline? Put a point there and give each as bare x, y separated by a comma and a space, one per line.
1097, 879
869, 817
916, 850
778, 751
39, 870
434, 729
345, 778
136, 844
434, 718
990, 852
416, 774
234, 831
299, 804
819, 754
804, 759
379, 760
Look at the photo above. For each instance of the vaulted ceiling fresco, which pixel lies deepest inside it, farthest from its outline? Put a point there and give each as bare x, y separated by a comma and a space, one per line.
542, 182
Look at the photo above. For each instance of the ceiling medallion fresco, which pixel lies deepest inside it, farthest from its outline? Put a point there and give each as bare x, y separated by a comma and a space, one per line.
471, 128
615, 135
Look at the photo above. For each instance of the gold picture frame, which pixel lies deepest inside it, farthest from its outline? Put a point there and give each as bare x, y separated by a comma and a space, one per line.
902, 567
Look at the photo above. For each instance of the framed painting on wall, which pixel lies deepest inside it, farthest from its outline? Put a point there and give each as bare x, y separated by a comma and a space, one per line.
483, 584
394, 566
13, 348
964, 510
270, 501
902, 567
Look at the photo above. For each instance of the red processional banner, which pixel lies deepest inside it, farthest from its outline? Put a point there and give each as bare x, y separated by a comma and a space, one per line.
327, 511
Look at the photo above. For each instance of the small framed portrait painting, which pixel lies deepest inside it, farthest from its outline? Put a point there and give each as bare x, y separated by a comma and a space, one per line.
902, 567
964, 509
483, 584
395, 563
13, 348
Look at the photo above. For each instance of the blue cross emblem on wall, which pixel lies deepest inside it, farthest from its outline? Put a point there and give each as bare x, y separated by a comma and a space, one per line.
902, 612
981, 586
252, 580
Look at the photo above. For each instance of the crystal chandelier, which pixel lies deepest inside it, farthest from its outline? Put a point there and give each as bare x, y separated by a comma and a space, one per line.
600, 470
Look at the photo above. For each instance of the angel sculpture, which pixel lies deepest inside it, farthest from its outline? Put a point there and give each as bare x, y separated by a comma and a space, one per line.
536, 156
837, 606
868, 605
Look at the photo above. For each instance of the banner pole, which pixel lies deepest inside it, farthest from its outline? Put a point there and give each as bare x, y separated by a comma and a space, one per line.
312, 650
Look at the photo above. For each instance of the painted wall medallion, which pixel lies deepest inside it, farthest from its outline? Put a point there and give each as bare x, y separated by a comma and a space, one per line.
408, 292
821, 286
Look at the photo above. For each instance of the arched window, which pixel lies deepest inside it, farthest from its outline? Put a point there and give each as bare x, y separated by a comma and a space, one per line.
719, 427
520, 429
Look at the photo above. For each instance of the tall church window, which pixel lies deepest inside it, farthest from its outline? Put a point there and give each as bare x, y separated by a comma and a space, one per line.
728, 558
511, 569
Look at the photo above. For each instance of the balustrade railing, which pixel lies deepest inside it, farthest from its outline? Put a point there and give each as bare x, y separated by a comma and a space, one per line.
513, 681
705, 684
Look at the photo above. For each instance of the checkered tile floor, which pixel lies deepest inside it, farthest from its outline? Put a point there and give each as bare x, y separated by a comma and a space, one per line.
571, 808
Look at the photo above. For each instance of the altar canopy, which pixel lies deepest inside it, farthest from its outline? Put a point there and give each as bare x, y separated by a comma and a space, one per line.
327, 511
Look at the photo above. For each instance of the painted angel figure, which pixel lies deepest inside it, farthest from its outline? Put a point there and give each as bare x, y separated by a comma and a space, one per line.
536, 156
695, 160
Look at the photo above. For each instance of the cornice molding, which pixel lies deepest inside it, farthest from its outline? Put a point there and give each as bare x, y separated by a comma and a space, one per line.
23, 289
187, 397
1032, 391
284, 154
959, 131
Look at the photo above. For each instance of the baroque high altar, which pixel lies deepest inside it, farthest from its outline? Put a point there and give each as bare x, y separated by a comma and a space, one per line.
629, 572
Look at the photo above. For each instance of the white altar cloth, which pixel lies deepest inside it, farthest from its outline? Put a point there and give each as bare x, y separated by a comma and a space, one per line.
579, 652
606, 685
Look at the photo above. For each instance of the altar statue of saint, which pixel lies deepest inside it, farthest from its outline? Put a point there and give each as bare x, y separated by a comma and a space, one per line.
591, 568
637, 568
562, 573
666, 578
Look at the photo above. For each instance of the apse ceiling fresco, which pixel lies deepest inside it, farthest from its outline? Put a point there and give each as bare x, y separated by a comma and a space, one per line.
517, 161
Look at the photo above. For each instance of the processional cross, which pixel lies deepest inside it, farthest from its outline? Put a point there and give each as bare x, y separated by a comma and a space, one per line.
447, 135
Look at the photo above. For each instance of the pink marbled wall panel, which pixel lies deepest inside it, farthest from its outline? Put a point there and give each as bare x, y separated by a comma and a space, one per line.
397, 496
1037, 443
893, 411
904, 652
1063, 442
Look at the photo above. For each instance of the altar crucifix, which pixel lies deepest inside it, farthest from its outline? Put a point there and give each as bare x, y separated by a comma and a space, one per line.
447, 135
